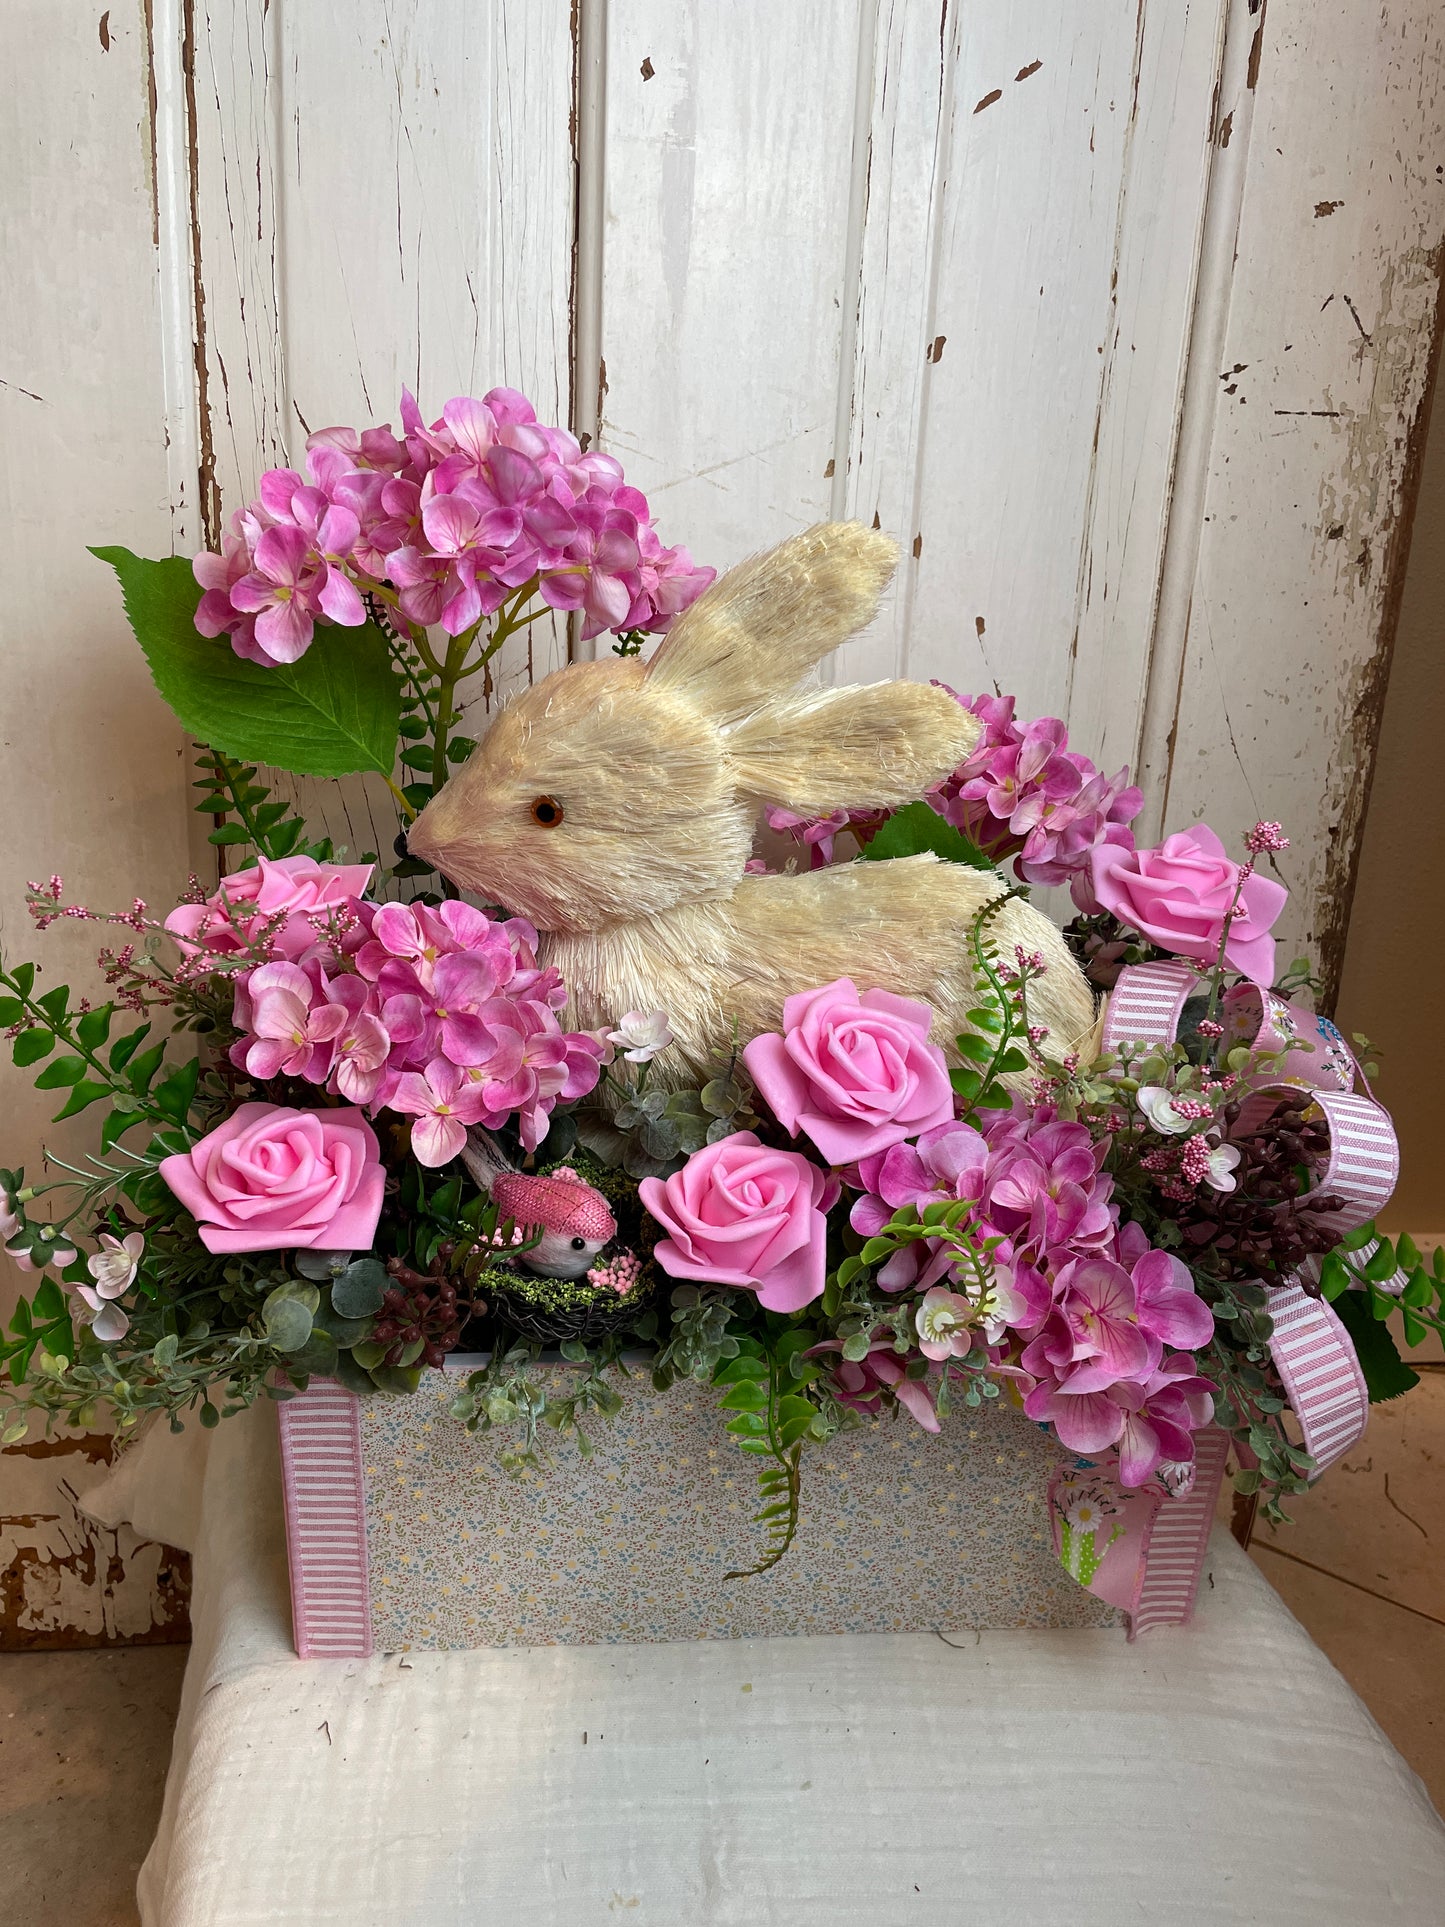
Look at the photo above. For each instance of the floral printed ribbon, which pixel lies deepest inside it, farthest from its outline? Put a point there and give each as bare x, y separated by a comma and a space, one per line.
1139, 1549
1143, 1550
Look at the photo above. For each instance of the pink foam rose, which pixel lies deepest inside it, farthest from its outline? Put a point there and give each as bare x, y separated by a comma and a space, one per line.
738, 1213
857, 1074
270, 1178
291, 889
1179, 894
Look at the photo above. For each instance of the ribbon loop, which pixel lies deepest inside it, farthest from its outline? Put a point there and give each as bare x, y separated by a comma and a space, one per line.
1314, 1052
1319, 1371
1310, 1348
1146, 1004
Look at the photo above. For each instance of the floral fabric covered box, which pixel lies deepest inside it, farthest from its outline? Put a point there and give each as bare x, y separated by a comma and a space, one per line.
405, 1532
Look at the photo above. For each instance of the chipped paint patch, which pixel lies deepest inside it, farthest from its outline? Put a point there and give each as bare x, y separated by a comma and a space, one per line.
66, 1581
1359, 493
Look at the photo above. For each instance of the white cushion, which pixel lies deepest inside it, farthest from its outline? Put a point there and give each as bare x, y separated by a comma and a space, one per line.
1219, 1773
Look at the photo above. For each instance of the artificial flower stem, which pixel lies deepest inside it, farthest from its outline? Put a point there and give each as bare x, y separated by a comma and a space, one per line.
1216, 980
450, 672
456, 668
499, 637
507, 624
401, 803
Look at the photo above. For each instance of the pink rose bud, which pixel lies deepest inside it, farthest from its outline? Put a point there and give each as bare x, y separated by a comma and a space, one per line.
857, 1074
738, 1213
269, 1179
1179, 895
288, 897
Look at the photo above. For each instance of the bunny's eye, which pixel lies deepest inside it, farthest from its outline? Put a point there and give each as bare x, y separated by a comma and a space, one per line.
547, 811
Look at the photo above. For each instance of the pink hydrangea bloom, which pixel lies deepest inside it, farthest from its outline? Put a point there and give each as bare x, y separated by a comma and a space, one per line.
815, 833
437, 1012
1035, 1180
444, 1102
457, 517
1149, 1421
865, 1383
1022, 794
1091, 1312
292, 1033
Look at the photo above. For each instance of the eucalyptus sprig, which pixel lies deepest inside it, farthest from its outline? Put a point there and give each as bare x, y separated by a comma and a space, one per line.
700, 1340
509, 1391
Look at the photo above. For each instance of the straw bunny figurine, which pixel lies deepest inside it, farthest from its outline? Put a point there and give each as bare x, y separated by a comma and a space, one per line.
613, 805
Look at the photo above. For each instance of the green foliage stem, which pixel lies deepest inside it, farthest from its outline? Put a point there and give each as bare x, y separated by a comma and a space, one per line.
769, 1422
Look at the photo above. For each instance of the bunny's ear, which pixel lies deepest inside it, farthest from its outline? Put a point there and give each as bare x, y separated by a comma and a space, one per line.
874, 747
758, 631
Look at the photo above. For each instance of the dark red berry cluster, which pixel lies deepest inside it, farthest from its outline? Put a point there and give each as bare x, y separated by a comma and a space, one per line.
1274, 1220
425, 1306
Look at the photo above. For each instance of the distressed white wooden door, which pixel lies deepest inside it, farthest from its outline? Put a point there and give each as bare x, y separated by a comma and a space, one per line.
1117, 313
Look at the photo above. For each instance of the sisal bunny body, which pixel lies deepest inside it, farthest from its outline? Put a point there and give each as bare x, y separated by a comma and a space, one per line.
613, 805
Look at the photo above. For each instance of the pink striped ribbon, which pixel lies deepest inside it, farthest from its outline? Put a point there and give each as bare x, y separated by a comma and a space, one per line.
325, 1493
1146, 1004
1160, 1556
1178, 1538
1320, 1373
1141, 1548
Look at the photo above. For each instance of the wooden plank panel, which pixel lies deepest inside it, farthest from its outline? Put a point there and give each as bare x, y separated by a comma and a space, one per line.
1159, 232
1036, 187
1021, 321
1320, 381
385, 198
910, 108
92, 772
726, 261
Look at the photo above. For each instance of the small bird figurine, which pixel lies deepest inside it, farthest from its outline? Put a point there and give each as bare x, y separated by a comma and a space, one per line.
573, 1220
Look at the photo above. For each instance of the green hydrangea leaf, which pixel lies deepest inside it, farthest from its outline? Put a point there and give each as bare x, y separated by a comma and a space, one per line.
330, 714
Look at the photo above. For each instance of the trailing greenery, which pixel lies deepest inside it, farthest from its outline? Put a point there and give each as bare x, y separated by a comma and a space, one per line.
249, 815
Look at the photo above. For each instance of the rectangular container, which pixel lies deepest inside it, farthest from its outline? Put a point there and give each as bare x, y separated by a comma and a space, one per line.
405, 1533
